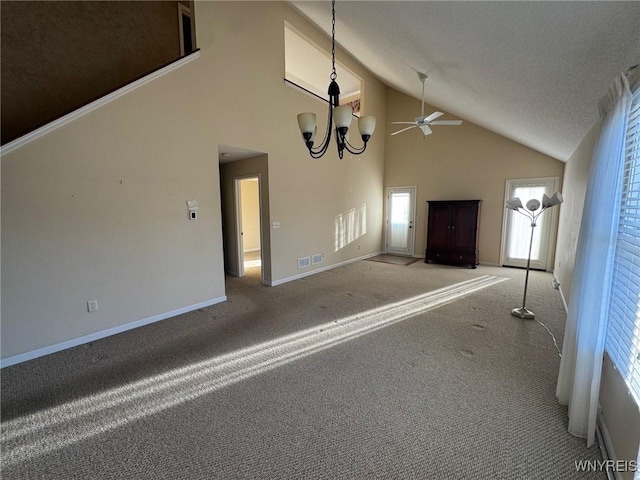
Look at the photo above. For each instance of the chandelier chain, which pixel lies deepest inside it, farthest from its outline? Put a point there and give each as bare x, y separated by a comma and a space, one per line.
333, 40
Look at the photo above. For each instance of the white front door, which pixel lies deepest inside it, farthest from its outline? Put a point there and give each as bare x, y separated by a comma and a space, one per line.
516, 237
401, 206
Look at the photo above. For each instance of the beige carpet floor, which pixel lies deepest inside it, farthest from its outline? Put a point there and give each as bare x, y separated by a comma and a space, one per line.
458, 391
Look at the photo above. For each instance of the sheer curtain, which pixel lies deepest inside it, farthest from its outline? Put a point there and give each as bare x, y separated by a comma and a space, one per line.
585, 330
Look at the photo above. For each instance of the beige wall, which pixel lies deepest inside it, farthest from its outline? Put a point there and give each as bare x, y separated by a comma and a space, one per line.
59, 55
458, 163
96, 209
618, 406
306, 195
574, 189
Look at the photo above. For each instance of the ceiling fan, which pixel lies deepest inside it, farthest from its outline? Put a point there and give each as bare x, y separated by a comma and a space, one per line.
423, 121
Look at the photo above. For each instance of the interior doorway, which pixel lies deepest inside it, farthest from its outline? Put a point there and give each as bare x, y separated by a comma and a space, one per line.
401, 207
246, 235
247, 197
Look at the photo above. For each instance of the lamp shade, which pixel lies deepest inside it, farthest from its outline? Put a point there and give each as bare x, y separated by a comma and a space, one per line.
367, 124
555, 199
533, 205
514, 203
307, 122
342, 116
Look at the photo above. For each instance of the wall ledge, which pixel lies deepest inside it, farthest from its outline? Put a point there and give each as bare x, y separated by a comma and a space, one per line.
70, 117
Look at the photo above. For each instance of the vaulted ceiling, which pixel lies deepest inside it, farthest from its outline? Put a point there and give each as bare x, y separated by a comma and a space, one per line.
531, 71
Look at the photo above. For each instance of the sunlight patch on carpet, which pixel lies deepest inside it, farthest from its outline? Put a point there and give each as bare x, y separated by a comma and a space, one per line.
64, 425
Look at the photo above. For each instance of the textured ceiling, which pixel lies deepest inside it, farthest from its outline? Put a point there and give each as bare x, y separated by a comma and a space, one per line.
531, 71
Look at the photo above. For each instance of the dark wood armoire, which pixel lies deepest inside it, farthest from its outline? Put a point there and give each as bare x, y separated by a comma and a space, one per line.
452, 232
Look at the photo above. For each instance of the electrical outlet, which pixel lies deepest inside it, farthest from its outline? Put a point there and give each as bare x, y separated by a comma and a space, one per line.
92, 306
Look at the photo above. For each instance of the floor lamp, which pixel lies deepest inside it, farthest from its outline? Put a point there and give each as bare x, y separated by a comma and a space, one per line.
529, 212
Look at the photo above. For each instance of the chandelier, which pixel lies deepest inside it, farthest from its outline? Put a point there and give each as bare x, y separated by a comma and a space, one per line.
340, 114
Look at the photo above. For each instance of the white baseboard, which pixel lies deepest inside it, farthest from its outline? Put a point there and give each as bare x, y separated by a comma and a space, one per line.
41, 352
489, 264
323, 269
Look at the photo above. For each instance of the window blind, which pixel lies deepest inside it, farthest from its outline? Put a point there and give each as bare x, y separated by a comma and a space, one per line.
623, 333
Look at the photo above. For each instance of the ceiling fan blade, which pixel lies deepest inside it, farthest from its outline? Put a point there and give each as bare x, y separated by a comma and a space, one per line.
447, 122
426, 130
433, 116
403, 123
403, 130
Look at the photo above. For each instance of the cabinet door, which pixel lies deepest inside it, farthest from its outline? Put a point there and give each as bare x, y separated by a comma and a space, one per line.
439, 227
463, 227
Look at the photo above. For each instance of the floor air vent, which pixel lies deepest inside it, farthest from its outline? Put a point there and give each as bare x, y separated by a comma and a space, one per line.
304, 262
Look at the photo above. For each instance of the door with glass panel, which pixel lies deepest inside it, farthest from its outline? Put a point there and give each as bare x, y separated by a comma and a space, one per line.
516, 233
401, 206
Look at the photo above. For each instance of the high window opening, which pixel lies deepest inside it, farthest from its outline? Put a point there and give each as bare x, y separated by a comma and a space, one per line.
307, 67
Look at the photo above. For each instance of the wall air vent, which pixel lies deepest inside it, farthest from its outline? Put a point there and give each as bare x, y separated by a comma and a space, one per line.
317, 258
304, 262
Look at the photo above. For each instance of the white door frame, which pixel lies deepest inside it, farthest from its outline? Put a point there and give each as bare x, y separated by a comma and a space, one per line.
238, 226
412, 220
551, 216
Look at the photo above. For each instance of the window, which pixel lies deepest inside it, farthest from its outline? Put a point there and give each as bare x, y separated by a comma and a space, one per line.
308, 68
623, 334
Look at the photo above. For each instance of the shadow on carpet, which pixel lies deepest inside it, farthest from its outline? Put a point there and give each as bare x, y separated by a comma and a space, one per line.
394, 259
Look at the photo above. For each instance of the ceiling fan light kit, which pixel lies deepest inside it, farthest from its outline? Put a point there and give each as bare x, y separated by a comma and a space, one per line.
341, 115
423, 122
